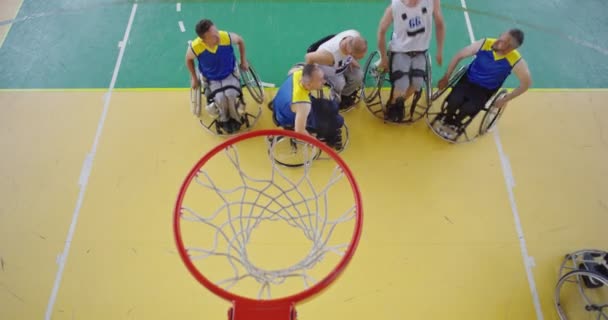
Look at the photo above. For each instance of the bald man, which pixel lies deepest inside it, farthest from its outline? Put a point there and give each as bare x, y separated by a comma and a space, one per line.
338, 57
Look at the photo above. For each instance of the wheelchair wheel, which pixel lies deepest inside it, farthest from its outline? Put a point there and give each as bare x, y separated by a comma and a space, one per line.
250, 79
345, 137
373, 81
196, 100
291, 152
372, 78
492, 113
582, 287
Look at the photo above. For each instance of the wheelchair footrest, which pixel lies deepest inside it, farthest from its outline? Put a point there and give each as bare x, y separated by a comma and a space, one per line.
597, 267
229, 127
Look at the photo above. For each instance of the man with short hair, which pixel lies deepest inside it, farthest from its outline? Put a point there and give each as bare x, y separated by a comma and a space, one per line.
213, 51
292, 104
412, 22
494, 61
338, 57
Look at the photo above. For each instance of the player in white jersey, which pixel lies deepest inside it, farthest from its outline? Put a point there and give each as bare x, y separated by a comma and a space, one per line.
337, 55
412, 22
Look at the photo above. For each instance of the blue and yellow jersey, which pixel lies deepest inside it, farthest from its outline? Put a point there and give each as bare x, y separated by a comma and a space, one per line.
215, 63
490, 70
290, 92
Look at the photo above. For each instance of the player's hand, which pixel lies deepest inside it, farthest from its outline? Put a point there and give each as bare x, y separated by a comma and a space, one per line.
443, 82
383, 64
193, 82
439, 58
501, 102
244, 65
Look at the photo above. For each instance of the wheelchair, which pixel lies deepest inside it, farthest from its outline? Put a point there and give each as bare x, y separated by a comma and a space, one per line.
291, 152
470, 128
376, 101
327, 90
249, 79
584, 272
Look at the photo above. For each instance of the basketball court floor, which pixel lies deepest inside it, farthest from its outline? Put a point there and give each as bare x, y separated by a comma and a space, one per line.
97, 137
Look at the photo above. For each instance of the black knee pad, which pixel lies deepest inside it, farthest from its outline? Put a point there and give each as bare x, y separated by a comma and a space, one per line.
396, 75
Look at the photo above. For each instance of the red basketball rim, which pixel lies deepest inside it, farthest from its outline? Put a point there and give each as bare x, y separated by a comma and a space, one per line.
295, 298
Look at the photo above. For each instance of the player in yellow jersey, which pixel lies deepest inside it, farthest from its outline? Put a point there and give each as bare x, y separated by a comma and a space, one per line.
494, 61
216, 61
295, 108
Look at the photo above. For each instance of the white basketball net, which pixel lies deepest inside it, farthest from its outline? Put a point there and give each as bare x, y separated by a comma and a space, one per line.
234, 221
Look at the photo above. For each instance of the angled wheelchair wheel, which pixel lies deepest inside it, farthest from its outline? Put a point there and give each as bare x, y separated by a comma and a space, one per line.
344, 140
196, 98
251, 80
345, 137
582, 287
492, 114
373, 81
291, 152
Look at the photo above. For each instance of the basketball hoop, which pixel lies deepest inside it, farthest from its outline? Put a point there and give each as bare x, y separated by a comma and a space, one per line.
312, 212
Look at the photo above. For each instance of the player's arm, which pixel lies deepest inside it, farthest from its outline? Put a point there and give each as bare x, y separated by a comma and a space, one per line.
467, 51
190, 65
238, 40
302, 110
525, 80
439, 27
385, 22
319, 57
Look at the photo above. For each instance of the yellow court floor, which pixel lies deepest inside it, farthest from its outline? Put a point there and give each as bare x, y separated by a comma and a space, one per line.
440, 240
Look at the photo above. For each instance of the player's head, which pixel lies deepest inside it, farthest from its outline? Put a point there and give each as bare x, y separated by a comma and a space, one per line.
312, 77
509, 40
357, 47
207, 31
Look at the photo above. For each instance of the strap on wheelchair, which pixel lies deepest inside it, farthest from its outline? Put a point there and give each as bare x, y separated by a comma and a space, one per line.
415, 53
397, 75
222, 89
418, 73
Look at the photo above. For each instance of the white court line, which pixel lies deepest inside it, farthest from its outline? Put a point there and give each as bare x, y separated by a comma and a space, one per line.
178, 7
510, 183
181, 26
86, 170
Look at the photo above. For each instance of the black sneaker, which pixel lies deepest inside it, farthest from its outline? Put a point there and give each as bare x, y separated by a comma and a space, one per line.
348, 101
395, 112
